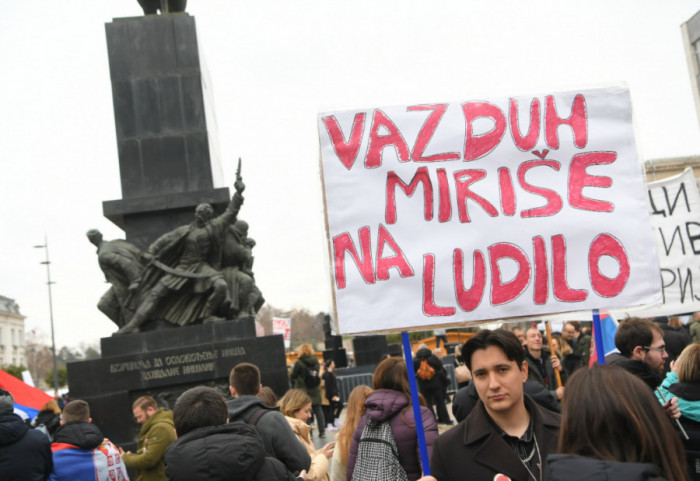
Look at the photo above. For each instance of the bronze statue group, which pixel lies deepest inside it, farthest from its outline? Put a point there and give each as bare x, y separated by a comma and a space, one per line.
197, 273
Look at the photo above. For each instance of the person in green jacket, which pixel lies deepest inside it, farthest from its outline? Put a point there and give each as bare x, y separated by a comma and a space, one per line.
157, 433
695, 327
306, 376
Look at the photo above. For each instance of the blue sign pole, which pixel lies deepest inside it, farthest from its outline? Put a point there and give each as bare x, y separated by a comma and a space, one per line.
598, 329
423, 448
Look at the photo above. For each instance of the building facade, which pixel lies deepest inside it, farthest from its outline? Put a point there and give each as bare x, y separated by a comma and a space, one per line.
691, 40
662, 168
12, 342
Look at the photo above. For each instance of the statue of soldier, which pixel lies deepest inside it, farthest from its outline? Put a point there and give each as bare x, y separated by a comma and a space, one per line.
151, 7
183, 282
122, 265
243, 297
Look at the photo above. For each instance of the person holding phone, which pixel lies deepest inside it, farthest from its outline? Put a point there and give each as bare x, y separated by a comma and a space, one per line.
296, 406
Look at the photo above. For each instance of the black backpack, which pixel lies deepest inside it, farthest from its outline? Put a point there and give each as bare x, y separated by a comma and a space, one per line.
311, 379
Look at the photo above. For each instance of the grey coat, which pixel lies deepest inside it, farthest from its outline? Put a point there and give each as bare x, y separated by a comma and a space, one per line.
279, 439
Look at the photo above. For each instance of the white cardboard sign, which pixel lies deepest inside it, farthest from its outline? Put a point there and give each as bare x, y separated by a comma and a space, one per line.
282, 325
485, 209
674, 204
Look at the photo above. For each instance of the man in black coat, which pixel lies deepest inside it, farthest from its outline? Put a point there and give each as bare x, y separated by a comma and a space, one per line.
507, 435
642, 350
541, 364
675, 338
24, 453
209, 449
643, 353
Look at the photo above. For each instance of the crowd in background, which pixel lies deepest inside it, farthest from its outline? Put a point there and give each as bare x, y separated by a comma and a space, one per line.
524, 411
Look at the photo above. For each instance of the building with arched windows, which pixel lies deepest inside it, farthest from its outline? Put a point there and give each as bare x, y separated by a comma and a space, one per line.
12, 343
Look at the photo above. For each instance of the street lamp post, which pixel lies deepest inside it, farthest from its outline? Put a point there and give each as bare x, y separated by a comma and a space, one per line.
53, 338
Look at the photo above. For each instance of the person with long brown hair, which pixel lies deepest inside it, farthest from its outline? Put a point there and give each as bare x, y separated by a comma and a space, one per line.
391, 401
296, 406
612, 427
355, 409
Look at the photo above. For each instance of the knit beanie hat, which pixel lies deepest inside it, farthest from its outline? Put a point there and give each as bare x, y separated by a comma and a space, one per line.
7, 402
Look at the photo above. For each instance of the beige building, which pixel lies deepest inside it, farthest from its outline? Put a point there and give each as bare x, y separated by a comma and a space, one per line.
661, 168
12, 344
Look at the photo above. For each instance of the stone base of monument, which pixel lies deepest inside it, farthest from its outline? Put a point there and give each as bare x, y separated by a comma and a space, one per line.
164, 364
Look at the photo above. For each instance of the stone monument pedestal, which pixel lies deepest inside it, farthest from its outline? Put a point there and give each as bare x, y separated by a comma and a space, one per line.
165, 125
164, 364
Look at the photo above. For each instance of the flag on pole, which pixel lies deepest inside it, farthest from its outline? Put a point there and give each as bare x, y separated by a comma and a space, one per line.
27, 398
608, 326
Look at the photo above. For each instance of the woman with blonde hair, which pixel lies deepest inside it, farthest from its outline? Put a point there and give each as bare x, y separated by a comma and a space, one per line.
563, 351
306, 377
355, 409
683, 381
296, 406
391, 402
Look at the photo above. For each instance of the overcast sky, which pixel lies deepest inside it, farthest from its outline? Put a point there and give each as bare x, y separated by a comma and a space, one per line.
274, 66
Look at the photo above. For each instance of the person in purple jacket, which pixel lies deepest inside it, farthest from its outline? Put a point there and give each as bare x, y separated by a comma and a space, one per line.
391, 401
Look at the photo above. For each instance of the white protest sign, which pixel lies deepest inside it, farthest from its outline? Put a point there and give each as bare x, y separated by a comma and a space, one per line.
282, 326
487, 209
674, 205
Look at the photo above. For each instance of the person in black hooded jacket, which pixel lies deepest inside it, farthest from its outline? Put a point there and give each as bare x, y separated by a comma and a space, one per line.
433, 389
207, 449
24, 453
50, 416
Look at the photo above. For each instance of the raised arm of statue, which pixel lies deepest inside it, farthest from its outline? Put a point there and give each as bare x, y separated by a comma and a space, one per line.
230, 214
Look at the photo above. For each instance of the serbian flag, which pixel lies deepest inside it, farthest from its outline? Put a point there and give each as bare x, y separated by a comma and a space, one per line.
608, 328
27, 398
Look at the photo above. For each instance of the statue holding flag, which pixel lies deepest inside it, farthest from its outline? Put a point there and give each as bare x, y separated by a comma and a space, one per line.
182, 282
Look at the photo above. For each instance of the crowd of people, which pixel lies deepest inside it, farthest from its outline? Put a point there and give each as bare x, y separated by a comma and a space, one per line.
524, 412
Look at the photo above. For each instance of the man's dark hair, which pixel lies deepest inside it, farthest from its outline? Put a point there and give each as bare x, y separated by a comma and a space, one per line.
76, 411
575, 324
502, 338
245, 379
635, 332
199, 407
